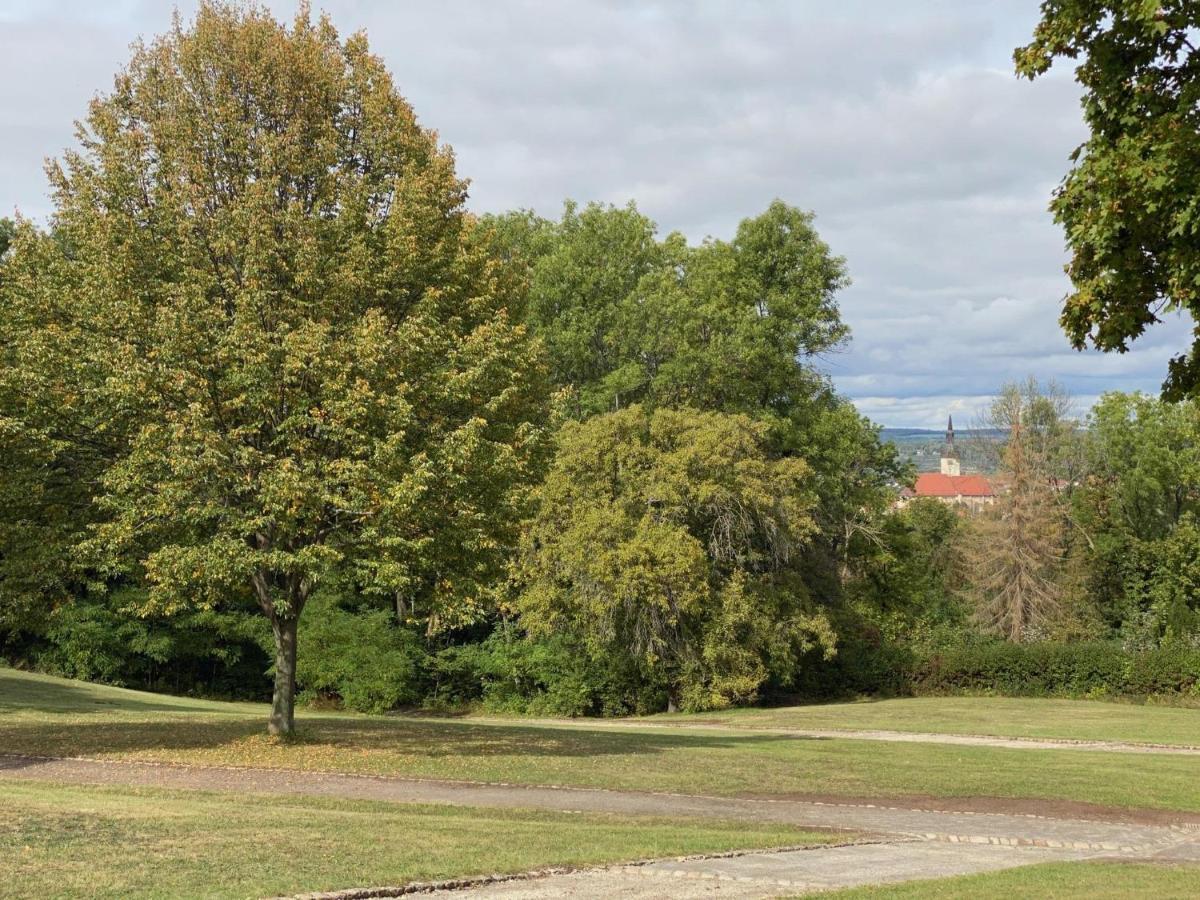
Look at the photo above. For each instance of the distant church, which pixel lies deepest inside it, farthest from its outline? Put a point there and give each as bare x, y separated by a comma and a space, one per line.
948, 484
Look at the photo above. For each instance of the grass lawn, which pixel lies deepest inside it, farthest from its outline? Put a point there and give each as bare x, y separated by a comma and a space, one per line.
1078, 881
39, 715
1000, 716
68, 841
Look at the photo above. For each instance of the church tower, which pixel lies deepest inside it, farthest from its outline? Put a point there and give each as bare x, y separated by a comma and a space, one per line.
949, 461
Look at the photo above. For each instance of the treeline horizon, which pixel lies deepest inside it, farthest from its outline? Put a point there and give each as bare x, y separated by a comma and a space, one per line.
279, 416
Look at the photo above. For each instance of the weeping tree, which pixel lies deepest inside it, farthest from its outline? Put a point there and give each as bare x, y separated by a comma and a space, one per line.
668, 542
295, 325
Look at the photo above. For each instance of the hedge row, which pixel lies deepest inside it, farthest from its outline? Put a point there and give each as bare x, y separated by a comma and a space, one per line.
1097, 669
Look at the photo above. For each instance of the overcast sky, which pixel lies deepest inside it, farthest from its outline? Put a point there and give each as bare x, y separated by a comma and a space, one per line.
928, 164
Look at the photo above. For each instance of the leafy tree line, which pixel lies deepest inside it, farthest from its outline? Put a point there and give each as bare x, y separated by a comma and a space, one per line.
1092, 541
266, 381
278, 415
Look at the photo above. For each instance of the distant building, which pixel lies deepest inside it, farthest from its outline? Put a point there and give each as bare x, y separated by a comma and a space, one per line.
949, 485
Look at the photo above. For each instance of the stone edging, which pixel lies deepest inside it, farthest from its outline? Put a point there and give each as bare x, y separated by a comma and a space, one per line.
459, 884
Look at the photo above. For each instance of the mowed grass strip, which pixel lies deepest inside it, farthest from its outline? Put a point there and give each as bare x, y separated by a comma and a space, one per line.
145, 727
1086, 720
70, 841
1064, 881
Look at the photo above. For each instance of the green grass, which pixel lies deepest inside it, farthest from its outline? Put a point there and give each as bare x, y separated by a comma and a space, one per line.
1078, 881
1089, 720
67, 841
56, 717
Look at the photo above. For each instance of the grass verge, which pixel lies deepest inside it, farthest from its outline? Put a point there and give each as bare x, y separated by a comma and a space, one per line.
54, 717
69, 841
1050, 881
1086, 720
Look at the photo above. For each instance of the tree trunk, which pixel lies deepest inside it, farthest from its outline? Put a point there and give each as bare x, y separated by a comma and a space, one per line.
283, 702
672, 699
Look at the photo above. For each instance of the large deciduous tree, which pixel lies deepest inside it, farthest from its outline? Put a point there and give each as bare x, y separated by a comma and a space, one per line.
1128, 203
1138, 506
729, 325
726, 325
299, 339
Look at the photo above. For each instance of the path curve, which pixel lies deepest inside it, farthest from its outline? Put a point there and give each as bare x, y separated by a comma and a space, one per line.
911, 843
965, 826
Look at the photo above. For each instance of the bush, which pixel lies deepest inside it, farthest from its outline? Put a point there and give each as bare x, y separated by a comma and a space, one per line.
95, 642
362, 659
552, 676
209, 652
1171, 669
1056, 669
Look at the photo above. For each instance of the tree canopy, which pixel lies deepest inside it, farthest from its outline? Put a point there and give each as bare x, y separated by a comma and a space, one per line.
670, 539
627, 318
284, 327
731, 326
1128, 203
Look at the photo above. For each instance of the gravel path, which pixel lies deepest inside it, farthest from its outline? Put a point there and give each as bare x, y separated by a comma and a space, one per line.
860, 734
760, 875
919, 842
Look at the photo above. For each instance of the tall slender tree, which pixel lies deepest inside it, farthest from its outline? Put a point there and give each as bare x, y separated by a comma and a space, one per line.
1017, 552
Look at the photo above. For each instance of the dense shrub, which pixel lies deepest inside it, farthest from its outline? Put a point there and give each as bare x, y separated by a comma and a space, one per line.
1054, 669
361, 659
508, 672
96, 638
865, 665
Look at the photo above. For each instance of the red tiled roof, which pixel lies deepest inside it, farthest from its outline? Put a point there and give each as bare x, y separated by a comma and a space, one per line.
935, 484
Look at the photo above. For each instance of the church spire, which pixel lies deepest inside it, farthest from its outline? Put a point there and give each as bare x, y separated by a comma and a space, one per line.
949, 462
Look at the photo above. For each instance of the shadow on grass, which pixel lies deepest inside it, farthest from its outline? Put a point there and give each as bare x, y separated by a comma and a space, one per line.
328, 738
24, 691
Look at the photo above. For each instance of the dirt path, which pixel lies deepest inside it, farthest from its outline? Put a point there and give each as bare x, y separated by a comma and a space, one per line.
979, 825
863, 734
918, 842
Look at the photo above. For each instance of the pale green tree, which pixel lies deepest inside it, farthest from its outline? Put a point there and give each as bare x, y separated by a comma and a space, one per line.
669, 540
295, 325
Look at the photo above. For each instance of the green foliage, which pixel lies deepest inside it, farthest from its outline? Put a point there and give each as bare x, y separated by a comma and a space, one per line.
8, 230
912, 583
726, 326
361, 658
265, 289
629, 319
1127, 205
96, 637
550, 675
1050, 669
56, 434
1137, 508
668, 540
97, 642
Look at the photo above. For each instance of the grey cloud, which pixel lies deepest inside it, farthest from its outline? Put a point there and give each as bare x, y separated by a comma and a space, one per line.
928, 163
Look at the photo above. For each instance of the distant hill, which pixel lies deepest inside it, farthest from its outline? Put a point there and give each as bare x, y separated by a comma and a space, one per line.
977, 447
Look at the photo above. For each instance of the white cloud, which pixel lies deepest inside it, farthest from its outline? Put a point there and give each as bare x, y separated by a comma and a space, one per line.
928, 163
